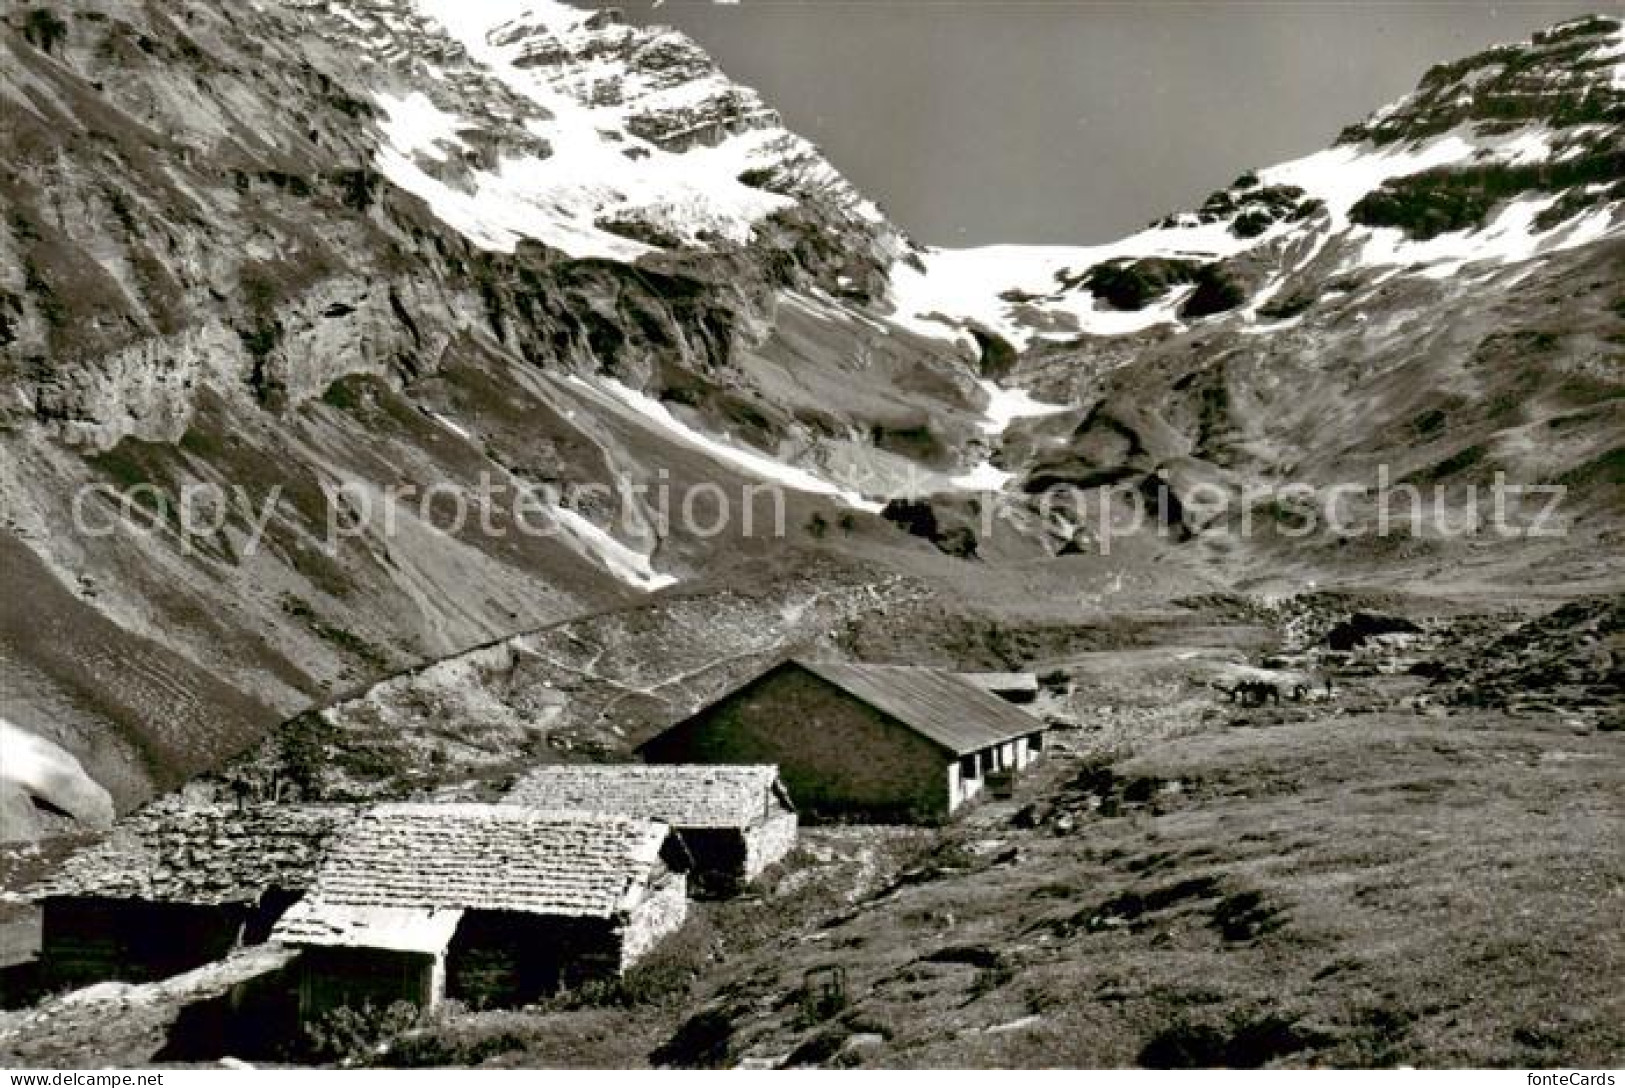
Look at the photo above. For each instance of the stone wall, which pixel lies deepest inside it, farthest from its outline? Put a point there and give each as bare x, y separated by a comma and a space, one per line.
838, 757
769, 842
661, 913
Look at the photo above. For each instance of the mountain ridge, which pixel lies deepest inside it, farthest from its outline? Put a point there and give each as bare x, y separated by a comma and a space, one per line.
313, 248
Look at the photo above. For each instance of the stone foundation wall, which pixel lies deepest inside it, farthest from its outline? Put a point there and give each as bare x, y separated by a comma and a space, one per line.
661, 913
769, 842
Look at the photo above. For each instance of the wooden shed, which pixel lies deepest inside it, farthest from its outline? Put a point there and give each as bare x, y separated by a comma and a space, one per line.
488, 904
862, 742
731, 821
175, 886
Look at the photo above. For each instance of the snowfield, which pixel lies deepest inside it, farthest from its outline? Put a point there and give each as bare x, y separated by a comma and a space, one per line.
416, 126
1005, 406
984, 477
1509, 238
658, 416
962, 287
626, 563
32, 767
1018, 292
598, 172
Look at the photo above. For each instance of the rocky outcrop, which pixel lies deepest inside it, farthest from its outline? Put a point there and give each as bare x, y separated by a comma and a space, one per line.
1248, 207
1562, 77
1570, 660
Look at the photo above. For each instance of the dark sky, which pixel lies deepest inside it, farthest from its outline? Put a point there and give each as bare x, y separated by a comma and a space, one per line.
976, 121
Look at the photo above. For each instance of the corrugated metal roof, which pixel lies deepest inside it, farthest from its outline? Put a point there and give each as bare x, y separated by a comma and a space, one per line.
485, 857
682, 795
936, 704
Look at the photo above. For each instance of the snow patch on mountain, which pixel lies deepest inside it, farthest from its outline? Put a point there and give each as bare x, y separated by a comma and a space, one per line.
1005, 406
1021, 292
624, 562
1512, 236
1342, 174
657, 415
416, 126
1028, 293
1018, 291
34, 769
986, 476
453, 426
561, 200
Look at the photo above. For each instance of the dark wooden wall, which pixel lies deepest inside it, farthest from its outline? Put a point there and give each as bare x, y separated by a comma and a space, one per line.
332, 978
500, 959
717, 859
88, 940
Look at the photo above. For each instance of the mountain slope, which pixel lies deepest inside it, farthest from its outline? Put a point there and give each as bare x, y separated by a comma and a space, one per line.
329, 270
1431, 303
212, 286
1495, 159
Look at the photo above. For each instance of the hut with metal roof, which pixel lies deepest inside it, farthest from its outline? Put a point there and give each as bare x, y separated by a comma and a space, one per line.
487, 904
862, 742
731, 822
174, 886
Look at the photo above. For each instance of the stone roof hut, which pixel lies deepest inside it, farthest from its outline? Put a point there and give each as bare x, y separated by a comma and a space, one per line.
731, 821
174, 886
488, 904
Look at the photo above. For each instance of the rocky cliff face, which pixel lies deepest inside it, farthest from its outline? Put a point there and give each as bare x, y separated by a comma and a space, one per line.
291, 261
195, 197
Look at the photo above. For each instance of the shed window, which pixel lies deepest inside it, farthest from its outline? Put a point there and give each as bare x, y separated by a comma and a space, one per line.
967, 767
1035, 743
